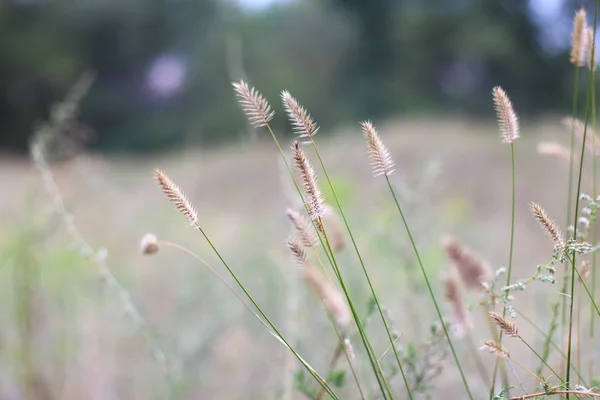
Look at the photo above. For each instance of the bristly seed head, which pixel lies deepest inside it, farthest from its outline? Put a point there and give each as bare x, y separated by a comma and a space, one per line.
176, 196
381, 160
314, 198
255, 106
579, 39
304, 228
302, 123
508, 327
548, 224
454, 297
495, 348
508, 122
298, 253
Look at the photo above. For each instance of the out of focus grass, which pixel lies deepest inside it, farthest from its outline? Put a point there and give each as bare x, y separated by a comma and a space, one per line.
64, 336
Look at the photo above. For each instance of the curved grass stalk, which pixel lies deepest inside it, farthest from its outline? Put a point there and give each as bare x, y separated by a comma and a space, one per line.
430, 289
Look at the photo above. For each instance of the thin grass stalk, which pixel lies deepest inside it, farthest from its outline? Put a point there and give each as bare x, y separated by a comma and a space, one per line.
594, 181
551, 343
314, 373
430, 289
293, 177
373, 293
381, 380
573, 265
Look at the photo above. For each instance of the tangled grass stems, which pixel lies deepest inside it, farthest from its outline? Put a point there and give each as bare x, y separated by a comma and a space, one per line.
170, 188
573, 265
307, 129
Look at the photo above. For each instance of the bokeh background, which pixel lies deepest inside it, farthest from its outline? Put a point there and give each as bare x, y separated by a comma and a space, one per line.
162, 97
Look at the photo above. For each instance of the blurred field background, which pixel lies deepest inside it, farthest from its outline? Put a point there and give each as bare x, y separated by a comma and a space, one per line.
162, 97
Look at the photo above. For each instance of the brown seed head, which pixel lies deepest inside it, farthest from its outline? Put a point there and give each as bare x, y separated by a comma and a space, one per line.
508, 122
579, 39
381, 161
149, 244
302, 123
304, 229
548, 224
495, 348
508, 327
176, 196
472, 269
314, 198
455, 299
253, 104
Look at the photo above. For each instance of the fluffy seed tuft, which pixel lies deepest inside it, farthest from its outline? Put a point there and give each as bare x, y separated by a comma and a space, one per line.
254, 105
381, 160
176, 196
579, 39
591, 48
508, 327
548, 224
508, 121
149, 244
314, 198
302, 123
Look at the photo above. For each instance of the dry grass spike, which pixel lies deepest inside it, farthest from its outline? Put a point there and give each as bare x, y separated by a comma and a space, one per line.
314, 198
495, 348
255, 106
508, 327
591, 48
302, 123
579, 39
176, 196
508, 121
549, 225
381, 160
304, 229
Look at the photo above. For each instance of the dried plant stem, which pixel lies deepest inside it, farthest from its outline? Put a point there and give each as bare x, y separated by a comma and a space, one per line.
573, 265
429, 288
37, 153
554, 393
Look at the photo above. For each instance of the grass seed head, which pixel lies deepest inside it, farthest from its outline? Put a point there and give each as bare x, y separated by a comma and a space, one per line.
381, 160
304, 229
547, 224
508, 327
176, 196
302, 123
453, 296
591, 48
473, 270
508, 121
314, 198
495, 348
254, 105
579, 39
149, 244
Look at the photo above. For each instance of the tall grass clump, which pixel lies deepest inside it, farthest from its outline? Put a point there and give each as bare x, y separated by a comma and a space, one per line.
479, 329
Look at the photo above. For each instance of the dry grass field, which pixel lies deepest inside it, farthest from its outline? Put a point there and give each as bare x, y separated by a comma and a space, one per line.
64, 333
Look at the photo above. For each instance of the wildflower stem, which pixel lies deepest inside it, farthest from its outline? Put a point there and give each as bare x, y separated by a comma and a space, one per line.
429, 288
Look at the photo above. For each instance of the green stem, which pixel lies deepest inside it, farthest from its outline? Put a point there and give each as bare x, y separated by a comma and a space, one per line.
373, 293
573, 265
429, 288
